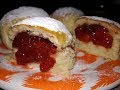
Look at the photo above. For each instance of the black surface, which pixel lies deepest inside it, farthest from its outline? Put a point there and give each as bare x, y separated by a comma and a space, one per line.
105, 8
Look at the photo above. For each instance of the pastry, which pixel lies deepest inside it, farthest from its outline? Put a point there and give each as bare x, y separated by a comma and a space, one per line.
16, 15
98, 36
43, 41
67, 15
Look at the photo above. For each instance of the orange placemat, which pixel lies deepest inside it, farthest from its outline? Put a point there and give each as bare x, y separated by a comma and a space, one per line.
89, 73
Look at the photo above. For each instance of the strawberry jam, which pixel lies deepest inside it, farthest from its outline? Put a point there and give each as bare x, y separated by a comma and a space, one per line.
96, 33
34, 49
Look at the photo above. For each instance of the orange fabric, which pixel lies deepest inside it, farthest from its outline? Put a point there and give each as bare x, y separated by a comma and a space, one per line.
4, 75
45, 84
105, 73
108, 76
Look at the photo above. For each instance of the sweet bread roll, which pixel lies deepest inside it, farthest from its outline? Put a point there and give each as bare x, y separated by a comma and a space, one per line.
98, 36
17, 15
43, 41
67, 15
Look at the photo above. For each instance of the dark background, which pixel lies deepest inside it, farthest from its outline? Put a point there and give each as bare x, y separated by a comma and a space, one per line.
105, 8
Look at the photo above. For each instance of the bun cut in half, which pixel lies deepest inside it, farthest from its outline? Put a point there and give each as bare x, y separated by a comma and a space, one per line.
98, 36
15, 16
43, 42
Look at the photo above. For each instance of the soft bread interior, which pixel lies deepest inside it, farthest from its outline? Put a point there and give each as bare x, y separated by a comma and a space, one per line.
65, 59
5, 29
114, 30
65, 55
59, 39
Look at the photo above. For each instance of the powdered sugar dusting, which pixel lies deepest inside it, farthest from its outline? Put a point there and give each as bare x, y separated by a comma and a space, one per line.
47, 22
24, 11
67, 10
102, 19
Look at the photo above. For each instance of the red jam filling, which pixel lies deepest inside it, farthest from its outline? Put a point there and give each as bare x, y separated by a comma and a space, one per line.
34, 49
96, 33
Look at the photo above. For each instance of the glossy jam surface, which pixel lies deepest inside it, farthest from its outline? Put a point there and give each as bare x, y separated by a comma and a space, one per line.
96, 33
34, 49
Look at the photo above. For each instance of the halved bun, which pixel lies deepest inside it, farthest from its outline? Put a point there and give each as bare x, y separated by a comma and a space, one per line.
15, 16
107, 42
50, 30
